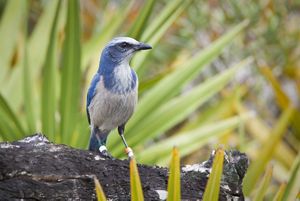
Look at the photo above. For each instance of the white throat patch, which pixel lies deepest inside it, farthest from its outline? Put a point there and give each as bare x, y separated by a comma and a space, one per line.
123, 77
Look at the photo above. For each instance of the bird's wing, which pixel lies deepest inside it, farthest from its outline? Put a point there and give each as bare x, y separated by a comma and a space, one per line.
91, 94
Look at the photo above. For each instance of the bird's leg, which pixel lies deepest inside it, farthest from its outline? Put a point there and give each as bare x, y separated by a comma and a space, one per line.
128, 150
98, 142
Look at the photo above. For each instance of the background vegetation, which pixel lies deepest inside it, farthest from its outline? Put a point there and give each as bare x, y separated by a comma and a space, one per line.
220, 72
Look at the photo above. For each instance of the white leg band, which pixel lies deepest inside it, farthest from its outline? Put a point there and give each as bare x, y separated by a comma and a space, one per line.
102, 148
129, 152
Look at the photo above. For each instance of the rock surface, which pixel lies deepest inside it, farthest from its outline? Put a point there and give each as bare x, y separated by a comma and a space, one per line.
36, 169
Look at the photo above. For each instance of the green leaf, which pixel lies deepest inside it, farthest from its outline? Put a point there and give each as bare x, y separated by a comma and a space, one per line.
189, 141
257, 167
37, 45
212, 188
99, 191
165, 89
10, 125
71, 73
49, 82
280, 192
161, 19
293, 185
135, 182
138, 61
28, 86
263, 187
174, 193
176, 110
141, 20
10, 25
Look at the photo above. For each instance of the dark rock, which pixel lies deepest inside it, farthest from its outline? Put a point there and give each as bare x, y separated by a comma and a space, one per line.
36, 169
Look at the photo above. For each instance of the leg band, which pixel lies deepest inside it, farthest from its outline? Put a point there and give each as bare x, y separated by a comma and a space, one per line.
102, 148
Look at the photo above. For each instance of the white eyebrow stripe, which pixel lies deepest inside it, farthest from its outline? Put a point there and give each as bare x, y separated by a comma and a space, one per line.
123, 39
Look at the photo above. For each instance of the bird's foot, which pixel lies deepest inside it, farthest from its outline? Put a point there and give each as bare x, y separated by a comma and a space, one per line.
104, 153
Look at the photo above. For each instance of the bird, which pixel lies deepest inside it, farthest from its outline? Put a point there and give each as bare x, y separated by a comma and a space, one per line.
113, 93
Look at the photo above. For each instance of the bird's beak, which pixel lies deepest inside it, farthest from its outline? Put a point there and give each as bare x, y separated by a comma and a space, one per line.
143, 46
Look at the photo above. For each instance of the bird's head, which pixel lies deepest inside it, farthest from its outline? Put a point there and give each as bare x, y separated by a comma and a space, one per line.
121, 49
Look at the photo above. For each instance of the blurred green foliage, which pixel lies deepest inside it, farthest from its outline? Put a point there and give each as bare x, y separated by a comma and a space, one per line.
189, 96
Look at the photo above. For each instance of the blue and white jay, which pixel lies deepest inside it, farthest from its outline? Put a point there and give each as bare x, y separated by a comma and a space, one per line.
113, 92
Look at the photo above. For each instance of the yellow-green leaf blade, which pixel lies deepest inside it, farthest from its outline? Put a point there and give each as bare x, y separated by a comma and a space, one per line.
138, 61
257, 167
99, 191
174, 81
263, 187
177, 109
29, 95
10, 125
189, 141
293, 184
212, 188
279, 194
11, 20
160, 20
71, 73
135, 182
141, 20
49, 83
174, 188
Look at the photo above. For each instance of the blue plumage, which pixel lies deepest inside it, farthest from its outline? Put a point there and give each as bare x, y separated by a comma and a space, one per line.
112, 94
91, 93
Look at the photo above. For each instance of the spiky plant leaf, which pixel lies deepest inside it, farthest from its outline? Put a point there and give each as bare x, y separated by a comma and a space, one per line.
49, 83
263, 187
99, 191
71, 73
257, 167
293, 184
135, 182
280, 192
174, 188
212, 188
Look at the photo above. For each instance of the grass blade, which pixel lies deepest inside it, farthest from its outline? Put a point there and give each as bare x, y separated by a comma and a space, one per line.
279, 194
174, 192
28, 86
71, 73
160, 20
135, 182
282, 99
138, 62
11, 20
293, 185
258, 166
176, 110
99, 191
177, 79
212, 188
10, 124
37, 45
191, 140
260, 131
263, 187
49, 82
141, 20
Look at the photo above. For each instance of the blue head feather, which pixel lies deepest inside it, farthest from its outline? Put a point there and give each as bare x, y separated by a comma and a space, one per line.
117, 54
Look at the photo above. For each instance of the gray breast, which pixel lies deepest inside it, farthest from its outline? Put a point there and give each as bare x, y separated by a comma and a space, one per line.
109, 110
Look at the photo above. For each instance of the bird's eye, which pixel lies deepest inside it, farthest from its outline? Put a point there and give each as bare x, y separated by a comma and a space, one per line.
123, 45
